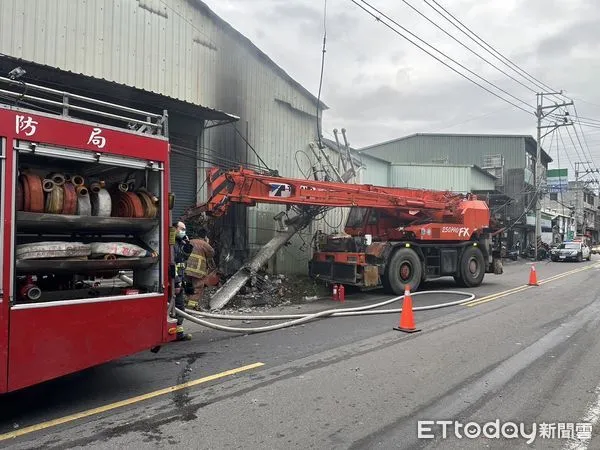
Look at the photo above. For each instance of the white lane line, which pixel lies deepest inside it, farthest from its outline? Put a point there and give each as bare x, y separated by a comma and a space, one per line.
591, 416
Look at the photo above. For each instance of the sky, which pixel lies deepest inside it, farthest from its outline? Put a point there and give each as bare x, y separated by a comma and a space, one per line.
380, 87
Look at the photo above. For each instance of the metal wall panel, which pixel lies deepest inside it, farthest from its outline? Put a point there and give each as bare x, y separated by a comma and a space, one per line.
452, 149
478, 179
179, 48
376, 172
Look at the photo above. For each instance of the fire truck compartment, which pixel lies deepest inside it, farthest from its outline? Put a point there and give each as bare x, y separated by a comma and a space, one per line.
117, 208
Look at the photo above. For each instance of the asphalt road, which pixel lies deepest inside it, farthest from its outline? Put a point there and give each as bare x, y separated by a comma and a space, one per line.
528, 357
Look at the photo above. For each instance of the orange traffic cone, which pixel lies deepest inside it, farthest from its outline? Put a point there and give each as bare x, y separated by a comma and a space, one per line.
533, 276
407, 320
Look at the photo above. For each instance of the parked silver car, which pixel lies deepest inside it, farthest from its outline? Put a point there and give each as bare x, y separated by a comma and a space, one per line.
571, 251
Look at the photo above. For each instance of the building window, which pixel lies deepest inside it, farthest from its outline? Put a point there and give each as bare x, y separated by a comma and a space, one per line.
554, 196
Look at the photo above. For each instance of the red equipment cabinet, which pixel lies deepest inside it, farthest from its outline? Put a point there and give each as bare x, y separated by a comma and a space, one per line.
70, 329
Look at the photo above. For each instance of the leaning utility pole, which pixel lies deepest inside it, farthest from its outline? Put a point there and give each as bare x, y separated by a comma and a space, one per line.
537, 175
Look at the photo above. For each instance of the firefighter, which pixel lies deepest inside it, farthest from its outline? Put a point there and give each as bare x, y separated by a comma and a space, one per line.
200, 270
183, 250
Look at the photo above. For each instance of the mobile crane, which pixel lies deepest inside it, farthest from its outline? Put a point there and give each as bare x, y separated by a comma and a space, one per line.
393, 237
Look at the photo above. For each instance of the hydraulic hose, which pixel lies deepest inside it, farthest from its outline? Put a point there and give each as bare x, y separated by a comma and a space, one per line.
297, 319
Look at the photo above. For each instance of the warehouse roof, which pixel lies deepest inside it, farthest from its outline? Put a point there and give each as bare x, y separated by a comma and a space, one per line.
529, 139
112, 91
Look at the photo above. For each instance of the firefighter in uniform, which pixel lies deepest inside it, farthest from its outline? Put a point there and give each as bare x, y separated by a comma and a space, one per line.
183, 250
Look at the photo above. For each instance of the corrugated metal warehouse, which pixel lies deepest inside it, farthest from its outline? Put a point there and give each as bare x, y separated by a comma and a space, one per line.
178, 55
457, 149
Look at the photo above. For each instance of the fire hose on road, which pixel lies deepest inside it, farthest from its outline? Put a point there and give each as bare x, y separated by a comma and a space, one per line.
298, 319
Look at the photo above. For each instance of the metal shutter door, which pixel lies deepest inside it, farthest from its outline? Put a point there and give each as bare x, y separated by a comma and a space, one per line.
183, 180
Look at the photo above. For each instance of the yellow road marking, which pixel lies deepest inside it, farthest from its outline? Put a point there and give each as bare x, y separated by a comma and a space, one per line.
491, 296
126, 402
498, 295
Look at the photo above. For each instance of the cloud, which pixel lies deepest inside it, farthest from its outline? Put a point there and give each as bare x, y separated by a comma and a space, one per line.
379, 86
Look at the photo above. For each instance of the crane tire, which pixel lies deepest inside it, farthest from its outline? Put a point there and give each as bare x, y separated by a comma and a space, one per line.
471, 267
404, 269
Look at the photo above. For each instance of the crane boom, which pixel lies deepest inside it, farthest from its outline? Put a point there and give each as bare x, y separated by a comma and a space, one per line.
248, 187
421, 214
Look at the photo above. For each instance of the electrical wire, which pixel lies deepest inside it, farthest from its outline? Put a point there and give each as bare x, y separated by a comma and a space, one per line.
488, 47
582, 159
586, 102
564, 146
322, 71
219, 161
582, 134
480, 116
251, 148
525, 210
528, 111
298, 163
439, 27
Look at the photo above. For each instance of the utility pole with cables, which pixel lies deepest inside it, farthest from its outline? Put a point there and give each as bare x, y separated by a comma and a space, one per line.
581, 188
541, 114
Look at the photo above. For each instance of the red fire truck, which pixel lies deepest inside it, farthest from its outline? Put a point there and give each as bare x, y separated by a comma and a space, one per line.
85, 233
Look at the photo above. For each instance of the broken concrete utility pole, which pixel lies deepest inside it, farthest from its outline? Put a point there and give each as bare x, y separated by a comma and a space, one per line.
241, 277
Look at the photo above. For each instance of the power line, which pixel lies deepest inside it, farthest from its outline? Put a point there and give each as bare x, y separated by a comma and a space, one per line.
250, 145
467, 47
586, 102
442, 53
321, 75
575, 147
480, 116
582, 136
584, 158
564, 146
586, 119
488, 47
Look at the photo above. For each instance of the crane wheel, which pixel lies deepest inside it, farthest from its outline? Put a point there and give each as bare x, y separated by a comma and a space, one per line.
471, 268
405, 268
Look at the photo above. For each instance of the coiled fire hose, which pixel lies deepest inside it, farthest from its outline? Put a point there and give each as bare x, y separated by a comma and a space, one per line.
33, 194
20, 201
84, 205
127, 204
298, 319
57, 178
101, 201
150, 209
55, 196
70, 202
77, 180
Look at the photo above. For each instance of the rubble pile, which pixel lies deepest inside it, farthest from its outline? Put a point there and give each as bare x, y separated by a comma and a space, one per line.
264, 291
